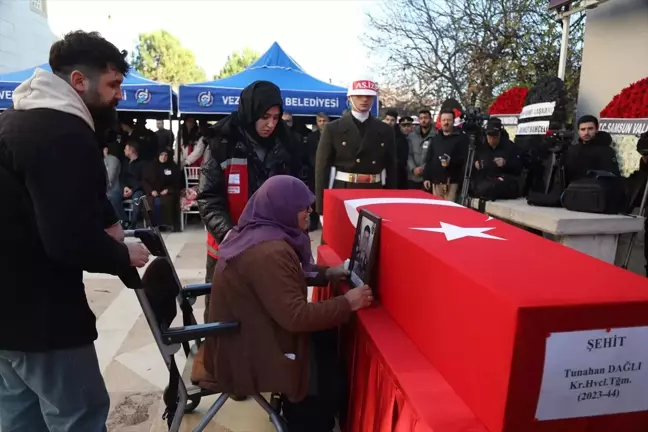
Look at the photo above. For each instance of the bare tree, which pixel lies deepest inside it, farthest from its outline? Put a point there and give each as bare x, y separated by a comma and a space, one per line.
470, 49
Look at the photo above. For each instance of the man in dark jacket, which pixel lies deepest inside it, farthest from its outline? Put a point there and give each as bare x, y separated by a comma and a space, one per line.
498, 155
55, 223
637, 182
312, 141
296, 147
402, 148
593, 151
132, 174
497, 165
445, 159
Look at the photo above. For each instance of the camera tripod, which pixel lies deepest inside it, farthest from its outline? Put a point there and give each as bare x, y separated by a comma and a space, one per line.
464, 199
642, 213
556, 166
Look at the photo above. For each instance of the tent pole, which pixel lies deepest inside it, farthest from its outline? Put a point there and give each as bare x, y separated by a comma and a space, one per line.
564, 45
177, 141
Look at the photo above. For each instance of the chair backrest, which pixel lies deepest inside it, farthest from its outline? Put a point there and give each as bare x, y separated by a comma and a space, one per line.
161, 289
192, 176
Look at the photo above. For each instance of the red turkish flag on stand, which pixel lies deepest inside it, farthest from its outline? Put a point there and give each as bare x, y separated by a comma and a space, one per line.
479, 297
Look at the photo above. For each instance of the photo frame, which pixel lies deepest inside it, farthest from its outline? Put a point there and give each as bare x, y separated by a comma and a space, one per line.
363, 261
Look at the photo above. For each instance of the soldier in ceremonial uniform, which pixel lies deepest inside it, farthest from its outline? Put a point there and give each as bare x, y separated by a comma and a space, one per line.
360, 148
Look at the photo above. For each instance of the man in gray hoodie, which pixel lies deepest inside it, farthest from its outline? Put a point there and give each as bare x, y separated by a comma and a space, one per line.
58, 223
419, 141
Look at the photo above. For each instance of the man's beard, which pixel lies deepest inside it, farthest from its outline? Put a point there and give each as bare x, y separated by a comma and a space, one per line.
104, 115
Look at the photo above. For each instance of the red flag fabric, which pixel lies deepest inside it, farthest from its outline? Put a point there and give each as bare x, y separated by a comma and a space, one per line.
478, 297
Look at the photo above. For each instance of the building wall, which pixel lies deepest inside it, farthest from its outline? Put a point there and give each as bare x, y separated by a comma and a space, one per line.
25, 35
615, 53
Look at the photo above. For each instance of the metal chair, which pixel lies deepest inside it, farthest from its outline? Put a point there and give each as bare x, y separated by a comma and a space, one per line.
192, 178
159, 291
129, 204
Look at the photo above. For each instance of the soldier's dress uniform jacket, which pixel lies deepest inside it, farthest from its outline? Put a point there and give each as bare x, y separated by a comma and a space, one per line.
359, 151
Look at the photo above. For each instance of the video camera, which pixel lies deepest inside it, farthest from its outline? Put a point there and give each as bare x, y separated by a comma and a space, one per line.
557, 141
473, 124
473, 120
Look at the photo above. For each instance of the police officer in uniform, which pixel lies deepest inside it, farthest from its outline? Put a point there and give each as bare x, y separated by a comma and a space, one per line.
359, 147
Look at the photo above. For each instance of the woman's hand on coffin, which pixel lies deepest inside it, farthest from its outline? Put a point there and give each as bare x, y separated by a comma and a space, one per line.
359, 298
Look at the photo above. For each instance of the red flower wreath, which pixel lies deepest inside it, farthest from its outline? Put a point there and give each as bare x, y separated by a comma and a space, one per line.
632, 102
510, 102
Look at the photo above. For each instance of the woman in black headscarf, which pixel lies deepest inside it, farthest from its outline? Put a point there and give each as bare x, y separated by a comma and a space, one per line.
161, 183
244, 149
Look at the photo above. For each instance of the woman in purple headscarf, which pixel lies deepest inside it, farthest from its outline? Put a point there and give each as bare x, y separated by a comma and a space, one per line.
261, 283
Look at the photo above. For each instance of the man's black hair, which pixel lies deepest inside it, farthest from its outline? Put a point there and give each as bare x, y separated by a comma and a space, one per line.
447, 111
79, 49
404, 119
367, 229
392, 113
425, 111
588, 119
132, 142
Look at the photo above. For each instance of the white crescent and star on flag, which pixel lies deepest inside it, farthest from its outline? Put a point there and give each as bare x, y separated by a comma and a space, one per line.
451, 232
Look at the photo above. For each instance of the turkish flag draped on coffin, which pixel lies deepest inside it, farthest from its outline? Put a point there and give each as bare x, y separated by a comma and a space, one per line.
479, 297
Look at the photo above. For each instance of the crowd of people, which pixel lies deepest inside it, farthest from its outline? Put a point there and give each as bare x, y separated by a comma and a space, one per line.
262, 180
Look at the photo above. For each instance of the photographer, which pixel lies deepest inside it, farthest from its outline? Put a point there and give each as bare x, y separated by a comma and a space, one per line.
445, 159
498, 155
592, 152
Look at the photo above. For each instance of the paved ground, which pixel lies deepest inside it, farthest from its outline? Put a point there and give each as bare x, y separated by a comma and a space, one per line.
133, 369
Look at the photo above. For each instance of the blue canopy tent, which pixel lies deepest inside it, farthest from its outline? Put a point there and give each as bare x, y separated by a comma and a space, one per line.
303, 95
139, 94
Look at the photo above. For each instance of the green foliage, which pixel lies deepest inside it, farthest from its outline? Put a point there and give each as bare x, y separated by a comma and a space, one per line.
161, 57
237, 62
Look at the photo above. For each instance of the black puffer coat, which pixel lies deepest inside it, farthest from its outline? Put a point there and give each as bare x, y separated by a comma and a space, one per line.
598, 154
229, 141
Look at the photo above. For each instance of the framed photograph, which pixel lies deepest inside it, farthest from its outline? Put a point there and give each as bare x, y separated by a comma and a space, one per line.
364, 255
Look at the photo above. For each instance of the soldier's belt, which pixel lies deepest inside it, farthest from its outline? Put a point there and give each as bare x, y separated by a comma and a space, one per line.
357, 178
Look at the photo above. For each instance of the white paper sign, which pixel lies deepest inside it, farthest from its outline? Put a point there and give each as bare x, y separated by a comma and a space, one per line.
543, 109
594, 372
533, 128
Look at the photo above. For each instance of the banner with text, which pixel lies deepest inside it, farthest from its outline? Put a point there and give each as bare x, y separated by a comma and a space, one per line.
533, 128
623, 126
215, 100
594, 372
507, 119
543, 109
146, 98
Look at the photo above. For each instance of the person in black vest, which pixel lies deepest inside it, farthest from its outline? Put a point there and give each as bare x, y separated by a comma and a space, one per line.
592, 152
